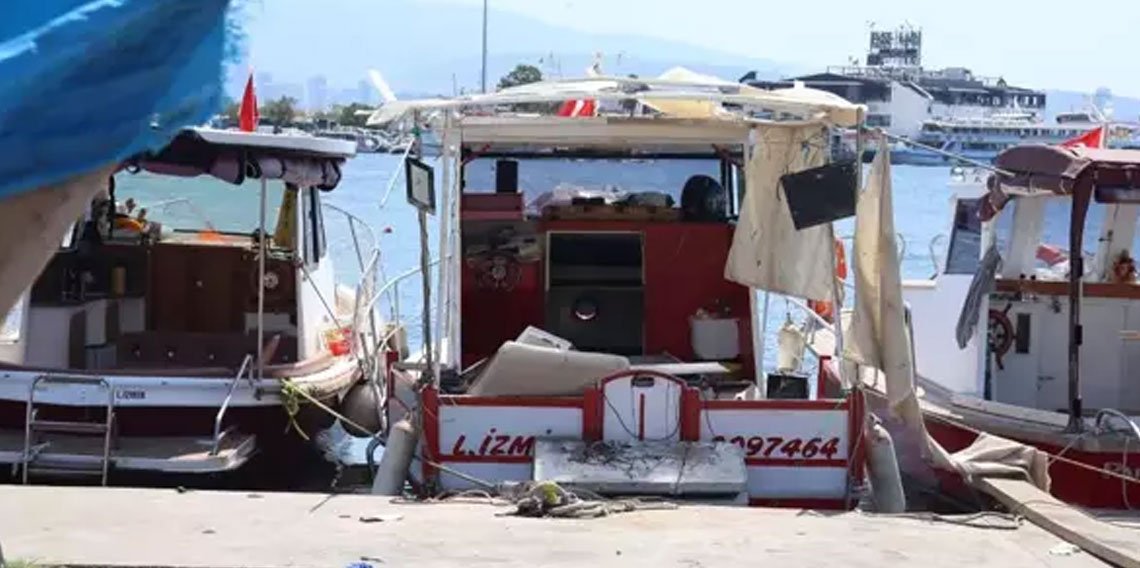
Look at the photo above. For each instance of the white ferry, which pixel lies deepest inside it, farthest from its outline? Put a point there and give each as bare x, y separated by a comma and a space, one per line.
983, 139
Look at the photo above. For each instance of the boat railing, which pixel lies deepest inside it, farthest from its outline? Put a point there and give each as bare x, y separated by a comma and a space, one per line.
245, 370
391, 289
932, 249
1104, 414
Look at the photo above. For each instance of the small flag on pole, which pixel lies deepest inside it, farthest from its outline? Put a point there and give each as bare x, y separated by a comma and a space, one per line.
1091, 139
248, 117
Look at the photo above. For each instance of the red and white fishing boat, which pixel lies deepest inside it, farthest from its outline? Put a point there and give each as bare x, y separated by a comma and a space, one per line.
568, 315
1044, 351
166, 335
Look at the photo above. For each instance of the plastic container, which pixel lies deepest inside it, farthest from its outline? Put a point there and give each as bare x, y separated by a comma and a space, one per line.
715, 339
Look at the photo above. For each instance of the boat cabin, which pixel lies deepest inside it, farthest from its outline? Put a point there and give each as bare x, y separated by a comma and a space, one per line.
1064, 226
585, 303
617, 250
162, 272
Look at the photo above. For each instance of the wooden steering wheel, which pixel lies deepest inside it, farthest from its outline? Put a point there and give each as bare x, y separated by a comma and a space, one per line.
1000, 333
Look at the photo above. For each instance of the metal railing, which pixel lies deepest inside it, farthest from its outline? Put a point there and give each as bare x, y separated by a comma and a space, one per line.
218, 433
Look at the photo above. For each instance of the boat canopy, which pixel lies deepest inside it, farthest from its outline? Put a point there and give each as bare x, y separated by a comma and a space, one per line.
235, 156
1037, 168
678, 86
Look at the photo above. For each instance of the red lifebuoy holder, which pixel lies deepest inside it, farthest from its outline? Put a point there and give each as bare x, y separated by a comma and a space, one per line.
824, 308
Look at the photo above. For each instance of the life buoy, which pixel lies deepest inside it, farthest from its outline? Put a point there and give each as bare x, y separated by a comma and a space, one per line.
825, 309
129, 224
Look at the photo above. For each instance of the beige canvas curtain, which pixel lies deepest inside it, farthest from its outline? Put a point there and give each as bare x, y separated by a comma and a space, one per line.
877, 337
768, 252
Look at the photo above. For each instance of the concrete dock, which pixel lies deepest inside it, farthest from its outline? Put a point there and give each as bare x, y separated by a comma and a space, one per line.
161, 527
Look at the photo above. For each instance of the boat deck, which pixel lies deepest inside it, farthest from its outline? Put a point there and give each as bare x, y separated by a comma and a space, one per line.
162, 454
152, 527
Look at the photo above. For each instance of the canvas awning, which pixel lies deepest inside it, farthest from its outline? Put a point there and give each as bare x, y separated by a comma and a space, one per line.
807, 103
305, 161
1034, 170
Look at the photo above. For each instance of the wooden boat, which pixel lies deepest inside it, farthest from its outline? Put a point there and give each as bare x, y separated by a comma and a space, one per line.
170, 336
585, 323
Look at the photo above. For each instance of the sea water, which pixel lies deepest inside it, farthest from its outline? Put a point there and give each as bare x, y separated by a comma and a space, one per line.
922, 200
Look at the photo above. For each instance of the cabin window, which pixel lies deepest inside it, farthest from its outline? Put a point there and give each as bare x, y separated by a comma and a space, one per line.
965, 238
186, 208
883, 120
543, 179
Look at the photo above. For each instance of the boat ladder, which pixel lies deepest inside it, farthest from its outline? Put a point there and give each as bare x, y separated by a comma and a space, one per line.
77, 464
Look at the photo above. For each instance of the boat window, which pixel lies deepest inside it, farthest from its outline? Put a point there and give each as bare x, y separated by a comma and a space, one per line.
965, 238
200, 204
541, 179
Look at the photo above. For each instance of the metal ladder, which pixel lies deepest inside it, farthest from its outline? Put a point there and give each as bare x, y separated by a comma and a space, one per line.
34, 425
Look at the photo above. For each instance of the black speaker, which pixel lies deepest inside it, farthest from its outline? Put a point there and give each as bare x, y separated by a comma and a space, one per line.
506, 176
595, 318
787, 386
820, 195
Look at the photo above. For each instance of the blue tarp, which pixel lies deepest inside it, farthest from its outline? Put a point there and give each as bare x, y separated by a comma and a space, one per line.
84, 83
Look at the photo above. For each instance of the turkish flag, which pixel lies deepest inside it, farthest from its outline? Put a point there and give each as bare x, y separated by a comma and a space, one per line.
1090, 139
581, 107
248, 117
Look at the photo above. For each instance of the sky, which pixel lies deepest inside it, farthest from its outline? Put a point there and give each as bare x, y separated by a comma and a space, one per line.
1045, 42
1041, 44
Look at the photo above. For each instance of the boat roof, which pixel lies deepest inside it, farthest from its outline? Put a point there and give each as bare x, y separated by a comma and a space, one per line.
1033, 169
299, 145
679, 91
504, 133
235, 156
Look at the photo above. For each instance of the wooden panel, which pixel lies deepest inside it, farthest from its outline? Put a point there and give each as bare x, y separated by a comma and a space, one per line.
1057, 288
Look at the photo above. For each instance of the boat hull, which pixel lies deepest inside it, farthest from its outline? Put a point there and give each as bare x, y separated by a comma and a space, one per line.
1087, 485
170, 425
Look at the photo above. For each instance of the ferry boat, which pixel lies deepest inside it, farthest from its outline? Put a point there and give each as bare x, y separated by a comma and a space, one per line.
182, 327
572, 322
901, 95
1040, 278
982, 140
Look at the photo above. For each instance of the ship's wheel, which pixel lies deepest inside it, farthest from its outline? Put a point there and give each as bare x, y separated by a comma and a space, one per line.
498, 271
1000, 334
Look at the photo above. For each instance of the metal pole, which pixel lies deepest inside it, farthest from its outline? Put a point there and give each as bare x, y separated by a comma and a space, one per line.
1081, 197
939, 151
483, 82
262, 249
442, 320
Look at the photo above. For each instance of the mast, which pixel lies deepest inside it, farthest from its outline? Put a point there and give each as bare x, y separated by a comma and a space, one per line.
483, 81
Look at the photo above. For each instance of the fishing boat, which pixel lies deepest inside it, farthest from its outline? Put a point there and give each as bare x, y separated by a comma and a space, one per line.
573, 320
191, 318
1039, 277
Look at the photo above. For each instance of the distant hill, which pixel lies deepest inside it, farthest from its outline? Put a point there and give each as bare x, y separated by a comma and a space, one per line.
419, 47
1125, 109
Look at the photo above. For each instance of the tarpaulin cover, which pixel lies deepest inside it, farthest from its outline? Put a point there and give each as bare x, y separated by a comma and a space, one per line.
86, 83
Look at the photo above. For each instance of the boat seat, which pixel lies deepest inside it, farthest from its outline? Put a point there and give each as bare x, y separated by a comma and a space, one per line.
167, 349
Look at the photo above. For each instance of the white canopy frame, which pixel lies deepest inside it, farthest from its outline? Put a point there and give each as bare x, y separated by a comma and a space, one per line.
455, 129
